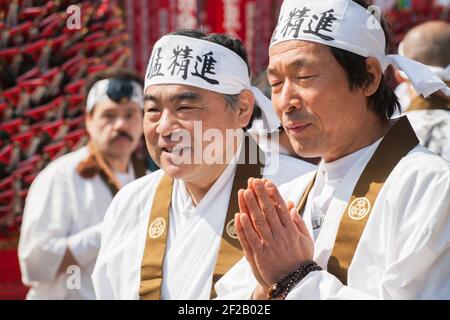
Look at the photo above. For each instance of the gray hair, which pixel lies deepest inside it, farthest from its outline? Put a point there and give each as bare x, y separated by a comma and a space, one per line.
232, 101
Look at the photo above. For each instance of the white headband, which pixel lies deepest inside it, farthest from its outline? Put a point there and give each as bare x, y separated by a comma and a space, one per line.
98, 93
203, 64
442, 73
346, 25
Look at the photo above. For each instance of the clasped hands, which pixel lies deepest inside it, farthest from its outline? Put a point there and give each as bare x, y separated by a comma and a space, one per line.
273, 236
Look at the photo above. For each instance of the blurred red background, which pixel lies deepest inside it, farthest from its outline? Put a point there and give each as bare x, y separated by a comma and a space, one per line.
43, 66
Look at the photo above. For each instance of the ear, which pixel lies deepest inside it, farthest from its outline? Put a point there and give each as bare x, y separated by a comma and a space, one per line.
374, 68
246, 103
88, 122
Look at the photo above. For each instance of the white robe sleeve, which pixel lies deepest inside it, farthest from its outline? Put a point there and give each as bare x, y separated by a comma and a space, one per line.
417, 262
237, 284
46, 222
45, 230
85, 244
100, 279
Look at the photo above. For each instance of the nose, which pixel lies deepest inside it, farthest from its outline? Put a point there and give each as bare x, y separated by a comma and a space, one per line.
289, 98
120, 123
166, 124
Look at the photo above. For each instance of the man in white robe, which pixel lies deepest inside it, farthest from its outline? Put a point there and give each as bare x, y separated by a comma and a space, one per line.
178, 255
375, 217
62, 221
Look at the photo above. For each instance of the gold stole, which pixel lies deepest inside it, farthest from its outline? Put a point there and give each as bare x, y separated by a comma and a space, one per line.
95, 164
230, 250
395, 145
431, 103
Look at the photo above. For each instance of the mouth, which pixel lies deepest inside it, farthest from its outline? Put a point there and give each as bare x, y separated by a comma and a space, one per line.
298, 127
122, 137
174, 150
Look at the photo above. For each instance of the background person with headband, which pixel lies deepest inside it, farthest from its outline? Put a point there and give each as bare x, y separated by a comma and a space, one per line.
171, 234
429, 43
373, 221
62, 222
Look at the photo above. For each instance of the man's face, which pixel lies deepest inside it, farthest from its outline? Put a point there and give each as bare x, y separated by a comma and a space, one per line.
115, 128
170, 114
311, 95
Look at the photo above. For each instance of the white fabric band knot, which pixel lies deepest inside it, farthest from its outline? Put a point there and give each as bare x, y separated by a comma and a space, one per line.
346, 25
442, 73
98, 93
203, 64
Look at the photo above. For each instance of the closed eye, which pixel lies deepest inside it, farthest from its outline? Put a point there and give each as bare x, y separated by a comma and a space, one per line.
185, 108
306, 77
275, 84
151, 110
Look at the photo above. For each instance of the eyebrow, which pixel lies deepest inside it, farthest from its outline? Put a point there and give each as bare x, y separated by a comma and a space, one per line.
188, 95
109, 110
298, 64
149, 97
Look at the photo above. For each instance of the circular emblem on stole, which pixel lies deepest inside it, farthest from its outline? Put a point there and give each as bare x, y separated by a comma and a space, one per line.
231, 229
359, 208
157, 228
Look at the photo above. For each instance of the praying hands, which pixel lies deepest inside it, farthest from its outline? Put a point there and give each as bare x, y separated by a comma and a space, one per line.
273, 236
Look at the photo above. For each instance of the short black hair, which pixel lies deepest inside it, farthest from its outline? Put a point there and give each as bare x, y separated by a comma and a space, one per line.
384, 101
262, 83
112, 73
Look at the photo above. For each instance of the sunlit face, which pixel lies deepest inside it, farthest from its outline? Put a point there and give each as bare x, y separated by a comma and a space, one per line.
115, 128
311, 95
171, 111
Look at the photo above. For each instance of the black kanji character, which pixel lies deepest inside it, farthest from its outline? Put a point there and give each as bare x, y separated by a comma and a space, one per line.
155, 65
295, 21
325, 22
184, 65
207, 67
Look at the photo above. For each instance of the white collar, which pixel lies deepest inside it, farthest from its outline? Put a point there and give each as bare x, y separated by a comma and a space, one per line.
127, 177
336, 170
